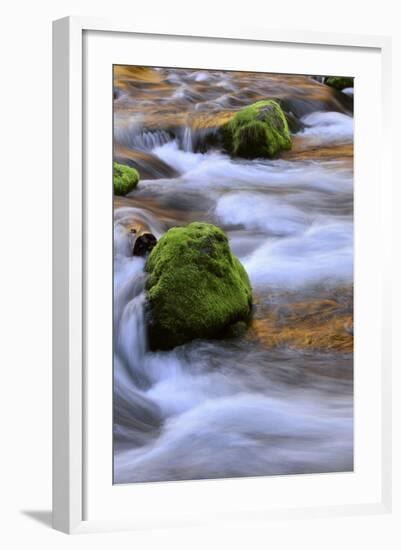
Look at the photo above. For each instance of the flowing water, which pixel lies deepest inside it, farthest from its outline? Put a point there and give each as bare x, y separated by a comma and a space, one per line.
240, 406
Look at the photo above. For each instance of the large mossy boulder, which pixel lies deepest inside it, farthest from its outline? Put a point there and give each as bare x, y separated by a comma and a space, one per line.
196, 287
260, 130
125, 178
339, 82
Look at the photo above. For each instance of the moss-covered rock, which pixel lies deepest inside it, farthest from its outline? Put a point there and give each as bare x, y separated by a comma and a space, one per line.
260, 130
339, 82
196, 286
125, 178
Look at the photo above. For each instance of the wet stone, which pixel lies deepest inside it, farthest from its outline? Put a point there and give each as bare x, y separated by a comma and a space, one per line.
144, 244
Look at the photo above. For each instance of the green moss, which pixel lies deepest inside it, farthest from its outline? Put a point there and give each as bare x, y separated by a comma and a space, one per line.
340, 82
260, 130
125, 178
196, 286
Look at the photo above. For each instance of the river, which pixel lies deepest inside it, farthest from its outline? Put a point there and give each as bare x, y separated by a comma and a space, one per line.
279, 399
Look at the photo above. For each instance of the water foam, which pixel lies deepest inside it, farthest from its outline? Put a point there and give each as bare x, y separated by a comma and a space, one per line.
323, 253
245, 434
328, 128
259, 211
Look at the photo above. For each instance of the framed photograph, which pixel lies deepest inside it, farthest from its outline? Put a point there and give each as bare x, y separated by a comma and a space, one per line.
221, 325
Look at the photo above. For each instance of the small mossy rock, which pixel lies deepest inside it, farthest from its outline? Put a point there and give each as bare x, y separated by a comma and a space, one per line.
125, 178
339, 82
196, 286
260, 130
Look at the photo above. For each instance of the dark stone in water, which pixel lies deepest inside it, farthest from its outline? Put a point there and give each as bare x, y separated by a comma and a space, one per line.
236, 330
294, 123
144, 244
346, 100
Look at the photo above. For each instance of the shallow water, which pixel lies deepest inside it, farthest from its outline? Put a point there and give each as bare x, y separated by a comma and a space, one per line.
235, 407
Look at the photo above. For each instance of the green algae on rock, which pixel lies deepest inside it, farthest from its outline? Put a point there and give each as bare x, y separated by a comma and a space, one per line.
260, 130
339, 82
125, 178
196, 286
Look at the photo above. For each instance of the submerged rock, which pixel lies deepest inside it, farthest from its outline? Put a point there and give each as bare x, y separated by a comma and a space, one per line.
125, 178
148, 165
339, 82
196, 286
305, 322
144, 244
260, 130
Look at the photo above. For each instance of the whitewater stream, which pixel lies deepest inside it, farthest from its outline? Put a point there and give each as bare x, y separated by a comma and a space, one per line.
234, 407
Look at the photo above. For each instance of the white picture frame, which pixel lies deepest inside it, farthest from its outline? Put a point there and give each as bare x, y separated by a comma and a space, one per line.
69, 259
